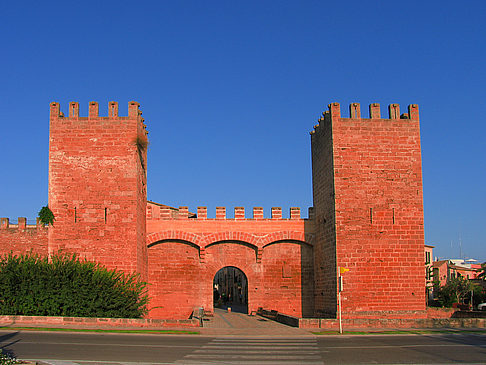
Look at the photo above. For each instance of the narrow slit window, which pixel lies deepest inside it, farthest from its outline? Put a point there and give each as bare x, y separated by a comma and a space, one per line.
106, 213
371, 215
393, 217
75, 215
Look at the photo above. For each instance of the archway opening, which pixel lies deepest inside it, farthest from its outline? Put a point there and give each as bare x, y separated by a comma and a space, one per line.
230, 289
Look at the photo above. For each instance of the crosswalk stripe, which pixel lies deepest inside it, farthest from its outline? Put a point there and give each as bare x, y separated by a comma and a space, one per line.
261, 346
280, 344
261, 351
265, 341
247, 362
259, 356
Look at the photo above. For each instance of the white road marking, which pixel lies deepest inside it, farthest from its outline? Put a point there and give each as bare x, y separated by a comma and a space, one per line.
255, 357
401, 346
253, 351
77, 362
102, 344
257, 351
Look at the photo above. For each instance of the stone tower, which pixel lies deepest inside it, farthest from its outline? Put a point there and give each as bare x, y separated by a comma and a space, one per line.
97, 185
367, 191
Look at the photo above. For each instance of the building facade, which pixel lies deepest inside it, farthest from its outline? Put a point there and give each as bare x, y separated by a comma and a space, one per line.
367, 216
446, 270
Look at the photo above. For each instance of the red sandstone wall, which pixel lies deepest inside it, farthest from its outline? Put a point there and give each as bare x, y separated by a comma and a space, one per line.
174, 274
97, 185
288, 279
325, 220
379, 209
375, 323
186, 253
440, 312
21, 238
94, 323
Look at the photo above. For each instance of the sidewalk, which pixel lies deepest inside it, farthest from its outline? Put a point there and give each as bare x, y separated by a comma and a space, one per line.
226, 323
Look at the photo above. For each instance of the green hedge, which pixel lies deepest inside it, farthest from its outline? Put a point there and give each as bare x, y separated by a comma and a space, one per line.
67, 286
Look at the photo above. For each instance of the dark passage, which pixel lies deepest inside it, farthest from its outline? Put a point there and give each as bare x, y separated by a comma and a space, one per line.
230, 289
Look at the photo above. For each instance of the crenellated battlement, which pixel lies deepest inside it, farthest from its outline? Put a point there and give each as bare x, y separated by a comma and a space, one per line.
160, 211
93, 110
21, 224
134, 113
20, 237
374, 113
367, 194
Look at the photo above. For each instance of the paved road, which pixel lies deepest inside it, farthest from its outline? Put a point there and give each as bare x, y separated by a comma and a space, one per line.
83, 348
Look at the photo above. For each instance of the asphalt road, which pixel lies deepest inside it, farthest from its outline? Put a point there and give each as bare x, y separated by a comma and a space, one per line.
85, 348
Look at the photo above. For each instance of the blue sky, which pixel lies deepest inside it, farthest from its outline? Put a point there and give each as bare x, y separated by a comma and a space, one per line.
230, 91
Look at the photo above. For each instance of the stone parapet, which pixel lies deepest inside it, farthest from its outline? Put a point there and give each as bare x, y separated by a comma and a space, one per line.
95, 323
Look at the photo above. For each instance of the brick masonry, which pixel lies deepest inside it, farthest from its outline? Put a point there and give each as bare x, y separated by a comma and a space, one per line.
94, 323
377, 323
367, 216
275, 254
97, 185
367, 183
20, 238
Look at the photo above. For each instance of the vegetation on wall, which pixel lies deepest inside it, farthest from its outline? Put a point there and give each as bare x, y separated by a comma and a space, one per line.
142, 144
67, 286
46, 216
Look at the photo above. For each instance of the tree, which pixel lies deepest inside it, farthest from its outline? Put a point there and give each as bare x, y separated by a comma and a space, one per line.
46, 216
456, 291
482, 275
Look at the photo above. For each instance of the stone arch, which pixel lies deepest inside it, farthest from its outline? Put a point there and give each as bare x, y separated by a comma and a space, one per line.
288, 260
237, 242
219, 261
287, 236
232, 236
178, 236
238, 254
298, 242
173, 270
213, 269
189, 243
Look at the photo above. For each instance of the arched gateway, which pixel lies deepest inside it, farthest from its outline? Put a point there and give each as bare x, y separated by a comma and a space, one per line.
230, 290
241, 270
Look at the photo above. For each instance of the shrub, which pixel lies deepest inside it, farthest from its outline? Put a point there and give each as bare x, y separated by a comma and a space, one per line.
67, 286
7, 359
456, 290
46, 216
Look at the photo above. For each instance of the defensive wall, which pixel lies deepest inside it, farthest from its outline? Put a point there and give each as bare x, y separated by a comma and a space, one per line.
367, 190
21, 237
275, 254
367, 217
436, 318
